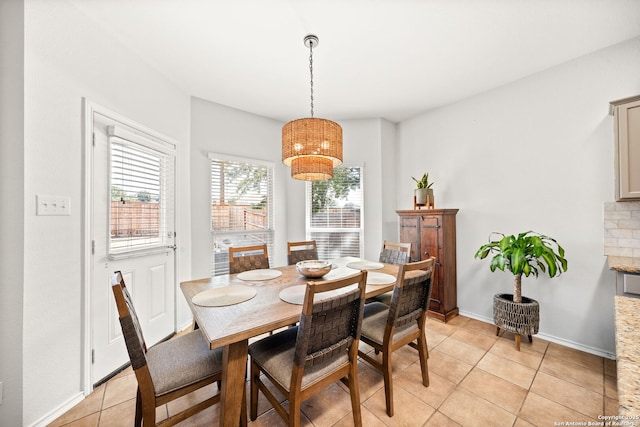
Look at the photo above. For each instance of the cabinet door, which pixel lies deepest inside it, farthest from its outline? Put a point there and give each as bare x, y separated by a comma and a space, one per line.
409, 233
430, 230
628, 147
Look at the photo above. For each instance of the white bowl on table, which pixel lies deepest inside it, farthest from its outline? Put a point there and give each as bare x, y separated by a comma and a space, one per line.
313, 268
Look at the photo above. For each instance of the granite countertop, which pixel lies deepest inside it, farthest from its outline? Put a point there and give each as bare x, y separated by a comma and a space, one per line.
624, 264
627, 313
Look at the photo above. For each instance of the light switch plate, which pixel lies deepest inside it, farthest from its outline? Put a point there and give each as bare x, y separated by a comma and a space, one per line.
53, 205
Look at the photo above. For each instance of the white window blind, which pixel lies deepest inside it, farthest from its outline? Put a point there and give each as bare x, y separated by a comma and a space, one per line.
334, 213
241, 207
142, 204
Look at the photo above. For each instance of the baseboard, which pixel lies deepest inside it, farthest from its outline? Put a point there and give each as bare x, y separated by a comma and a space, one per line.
551, 338
185, 326
53, 415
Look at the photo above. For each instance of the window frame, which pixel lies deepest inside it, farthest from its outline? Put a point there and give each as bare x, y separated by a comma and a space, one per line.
269, 231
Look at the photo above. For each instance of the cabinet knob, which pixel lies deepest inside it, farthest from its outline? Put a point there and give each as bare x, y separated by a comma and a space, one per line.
426, 254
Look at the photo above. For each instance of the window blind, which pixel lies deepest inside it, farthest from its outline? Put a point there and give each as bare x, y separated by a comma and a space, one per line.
334, 213
141, 195
241, 207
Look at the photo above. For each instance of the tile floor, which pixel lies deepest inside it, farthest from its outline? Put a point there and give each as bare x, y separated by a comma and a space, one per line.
477, 379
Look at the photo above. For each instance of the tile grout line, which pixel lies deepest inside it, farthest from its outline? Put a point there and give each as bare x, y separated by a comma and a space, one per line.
544, 354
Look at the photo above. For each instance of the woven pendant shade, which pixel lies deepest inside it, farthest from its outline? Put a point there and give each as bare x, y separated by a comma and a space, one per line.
311, 168
312, 147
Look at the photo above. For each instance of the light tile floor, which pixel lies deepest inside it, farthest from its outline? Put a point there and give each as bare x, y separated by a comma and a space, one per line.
477, 379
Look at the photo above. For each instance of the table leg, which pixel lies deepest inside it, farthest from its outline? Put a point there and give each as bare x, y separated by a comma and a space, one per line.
234, 365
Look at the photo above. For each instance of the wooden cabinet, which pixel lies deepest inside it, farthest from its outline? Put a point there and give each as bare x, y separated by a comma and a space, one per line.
626, 114
432, 232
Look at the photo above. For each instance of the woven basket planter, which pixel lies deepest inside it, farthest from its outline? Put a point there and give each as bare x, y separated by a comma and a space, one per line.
521, 318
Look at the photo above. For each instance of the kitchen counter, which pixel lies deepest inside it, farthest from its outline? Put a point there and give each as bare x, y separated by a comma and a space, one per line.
627, 321
624, 264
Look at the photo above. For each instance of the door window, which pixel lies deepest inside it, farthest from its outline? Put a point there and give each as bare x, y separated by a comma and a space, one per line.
141, 201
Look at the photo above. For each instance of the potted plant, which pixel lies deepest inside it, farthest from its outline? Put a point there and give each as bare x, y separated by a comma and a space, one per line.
423, 189
527, 253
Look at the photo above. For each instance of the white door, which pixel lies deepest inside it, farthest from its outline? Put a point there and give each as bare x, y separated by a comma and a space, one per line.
133, 223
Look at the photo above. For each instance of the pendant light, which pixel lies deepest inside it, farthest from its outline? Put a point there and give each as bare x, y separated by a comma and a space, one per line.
311, 146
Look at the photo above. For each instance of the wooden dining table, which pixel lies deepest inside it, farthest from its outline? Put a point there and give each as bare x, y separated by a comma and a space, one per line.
230, 327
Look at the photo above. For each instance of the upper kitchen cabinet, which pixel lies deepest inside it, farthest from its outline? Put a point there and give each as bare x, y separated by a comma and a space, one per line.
626, 113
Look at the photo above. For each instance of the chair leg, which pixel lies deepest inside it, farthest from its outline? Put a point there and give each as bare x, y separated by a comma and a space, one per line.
426, 344
148, 414
354, 391
243, 412
423, 354
138, 419
253, 400
415, 345
294, 410
388, 383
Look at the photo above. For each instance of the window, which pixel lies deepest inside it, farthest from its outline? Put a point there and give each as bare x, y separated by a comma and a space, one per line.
334, 213
142, 199
241, 207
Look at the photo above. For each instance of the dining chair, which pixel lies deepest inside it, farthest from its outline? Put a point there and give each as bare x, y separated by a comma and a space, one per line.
301, 251
305, 359
388, 328
395, 252
392, 253
247, 258
168, 370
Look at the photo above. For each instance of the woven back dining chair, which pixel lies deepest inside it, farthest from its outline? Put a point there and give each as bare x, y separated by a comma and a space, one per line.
168, 370
392, 253
388, 328
304, 360
247, 258
395, 252
301, 251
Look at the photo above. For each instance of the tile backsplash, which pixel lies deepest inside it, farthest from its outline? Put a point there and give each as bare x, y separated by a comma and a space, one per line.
622, 229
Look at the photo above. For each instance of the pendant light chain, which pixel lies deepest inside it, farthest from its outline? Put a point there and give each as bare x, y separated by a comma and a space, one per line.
311, 72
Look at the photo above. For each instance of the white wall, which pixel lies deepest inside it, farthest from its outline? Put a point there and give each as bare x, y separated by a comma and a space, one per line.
362, 146
389, 184
68, 57
224, 130
11, 209
535, 154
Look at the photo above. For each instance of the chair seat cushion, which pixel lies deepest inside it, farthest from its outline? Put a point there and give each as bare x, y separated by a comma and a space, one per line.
374, 322
383, 298
274, 354
183, 360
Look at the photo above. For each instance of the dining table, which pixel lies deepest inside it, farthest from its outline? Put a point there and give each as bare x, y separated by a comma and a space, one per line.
246, 305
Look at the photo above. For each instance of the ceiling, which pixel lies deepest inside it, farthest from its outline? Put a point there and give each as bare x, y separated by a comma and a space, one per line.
392, 59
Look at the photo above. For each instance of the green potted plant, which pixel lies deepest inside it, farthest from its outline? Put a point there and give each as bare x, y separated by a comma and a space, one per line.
527, 253
423, 189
